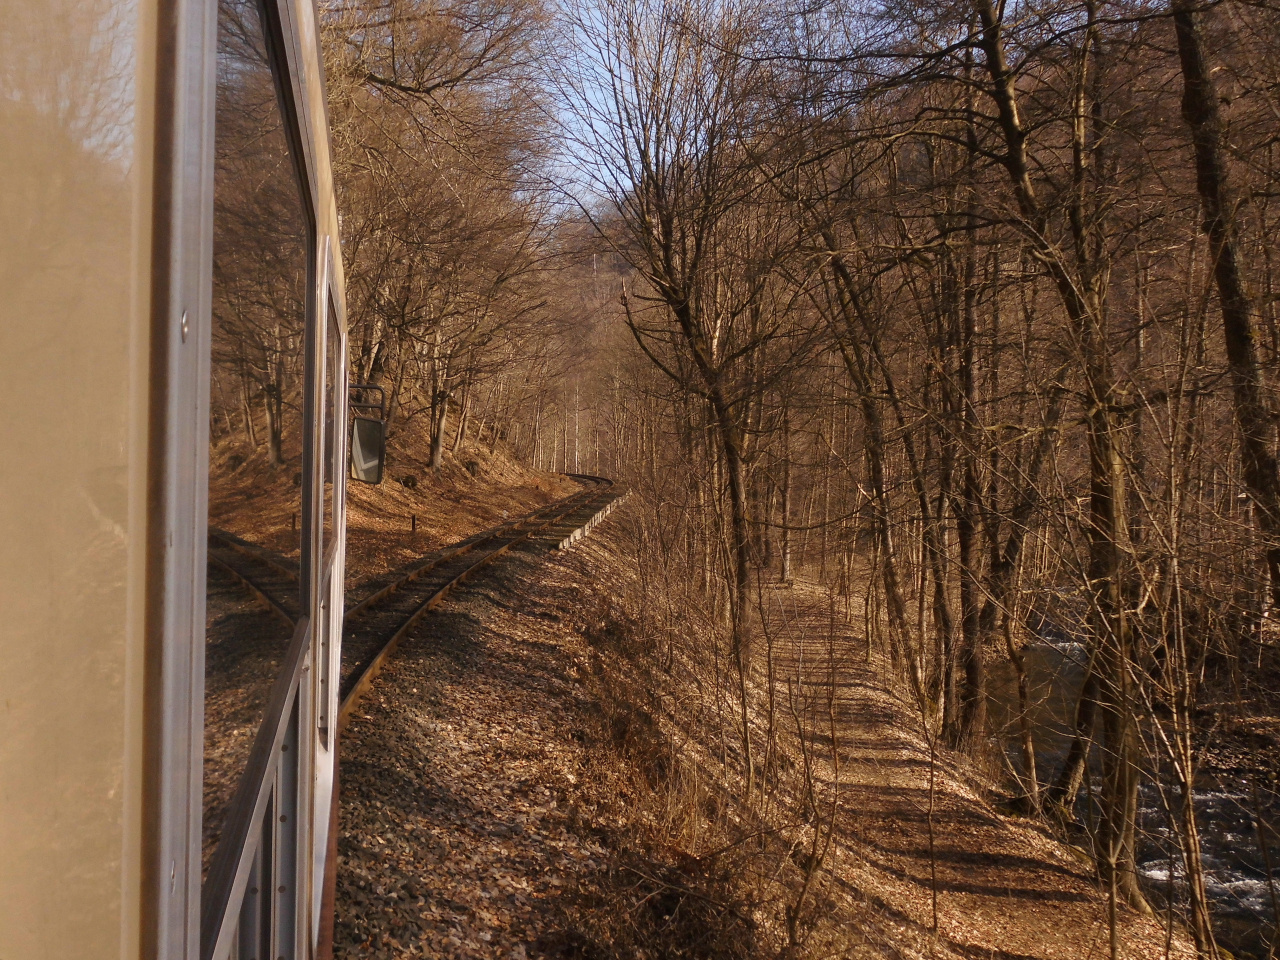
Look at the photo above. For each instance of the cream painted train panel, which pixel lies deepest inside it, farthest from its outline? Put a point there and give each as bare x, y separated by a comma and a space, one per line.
107, 141
76, 177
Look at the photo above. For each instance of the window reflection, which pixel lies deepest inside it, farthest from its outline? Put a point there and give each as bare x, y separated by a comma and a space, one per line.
333, 373
256, 436
330, 594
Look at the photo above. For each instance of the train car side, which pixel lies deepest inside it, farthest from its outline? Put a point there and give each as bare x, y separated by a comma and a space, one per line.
111, 115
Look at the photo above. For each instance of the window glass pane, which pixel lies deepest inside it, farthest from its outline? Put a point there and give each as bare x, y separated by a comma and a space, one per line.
332, 386
255, 450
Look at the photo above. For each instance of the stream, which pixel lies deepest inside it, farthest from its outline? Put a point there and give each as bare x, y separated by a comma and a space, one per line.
1242, 900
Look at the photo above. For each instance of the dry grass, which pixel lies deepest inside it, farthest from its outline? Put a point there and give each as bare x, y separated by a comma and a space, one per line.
832, 856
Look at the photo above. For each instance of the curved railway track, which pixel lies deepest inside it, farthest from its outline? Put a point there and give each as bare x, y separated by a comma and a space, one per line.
385, 617
270, 577
377, 623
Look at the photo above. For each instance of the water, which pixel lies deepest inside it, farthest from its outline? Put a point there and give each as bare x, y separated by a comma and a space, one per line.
1236, 869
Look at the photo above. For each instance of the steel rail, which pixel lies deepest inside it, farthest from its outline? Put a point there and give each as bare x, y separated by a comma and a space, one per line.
257, 590
468, 545
557, 511
254, 552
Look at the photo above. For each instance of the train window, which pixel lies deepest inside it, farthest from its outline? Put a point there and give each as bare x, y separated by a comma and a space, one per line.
256, 520
333, 389
331, 594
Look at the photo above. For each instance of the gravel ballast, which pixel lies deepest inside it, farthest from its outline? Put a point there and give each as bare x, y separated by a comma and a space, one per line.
457, 835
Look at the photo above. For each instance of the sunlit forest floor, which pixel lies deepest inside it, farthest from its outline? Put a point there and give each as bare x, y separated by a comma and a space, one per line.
534, 776
920, 857
540, 774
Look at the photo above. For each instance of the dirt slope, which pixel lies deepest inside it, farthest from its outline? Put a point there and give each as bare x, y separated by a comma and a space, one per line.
468, 493
1004, 887
523, 783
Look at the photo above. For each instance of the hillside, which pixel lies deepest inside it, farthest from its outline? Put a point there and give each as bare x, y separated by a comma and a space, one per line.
541, 773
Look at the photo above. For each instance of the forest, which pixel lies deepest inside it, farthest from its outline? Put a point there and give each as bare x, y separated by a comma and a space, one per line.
963, 312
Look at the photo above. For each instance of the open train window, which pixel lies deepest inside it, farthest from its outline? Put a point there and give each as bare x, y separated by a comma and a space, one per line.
255, 580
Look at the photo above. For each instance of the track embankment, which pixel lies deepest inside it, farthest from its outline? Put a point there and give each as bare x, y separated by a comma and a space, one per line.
459, 836
533, 777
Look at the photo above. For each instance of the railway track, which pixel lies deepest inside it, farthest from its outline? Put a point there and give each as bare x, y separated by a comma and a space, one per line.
378, 623
270, 577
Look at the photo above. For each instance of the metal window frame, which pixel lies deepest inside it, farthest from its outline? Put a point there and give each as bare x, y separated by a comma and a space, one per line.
178, 477
331, 581
264, 891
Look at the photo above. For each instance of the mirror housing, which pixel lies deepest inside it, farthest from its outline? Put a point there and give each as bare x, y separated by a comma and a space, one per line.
368, 449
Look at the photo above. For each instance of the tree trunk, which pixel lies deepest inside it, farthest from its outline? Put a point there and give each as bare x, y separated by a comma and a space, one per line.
462, 418
786, 496
1081, 292
250, 434
1067, 787
271, 403
971, 709
1200, 111
439, 425
1026, 740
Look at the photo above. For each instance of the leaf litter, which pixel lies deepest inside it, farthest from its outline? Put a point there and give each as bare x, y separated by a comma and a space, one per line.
493, 806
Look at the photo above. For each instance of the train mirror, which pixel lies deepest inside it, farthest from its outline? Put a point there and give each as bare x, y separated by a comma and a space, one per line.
368, 449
